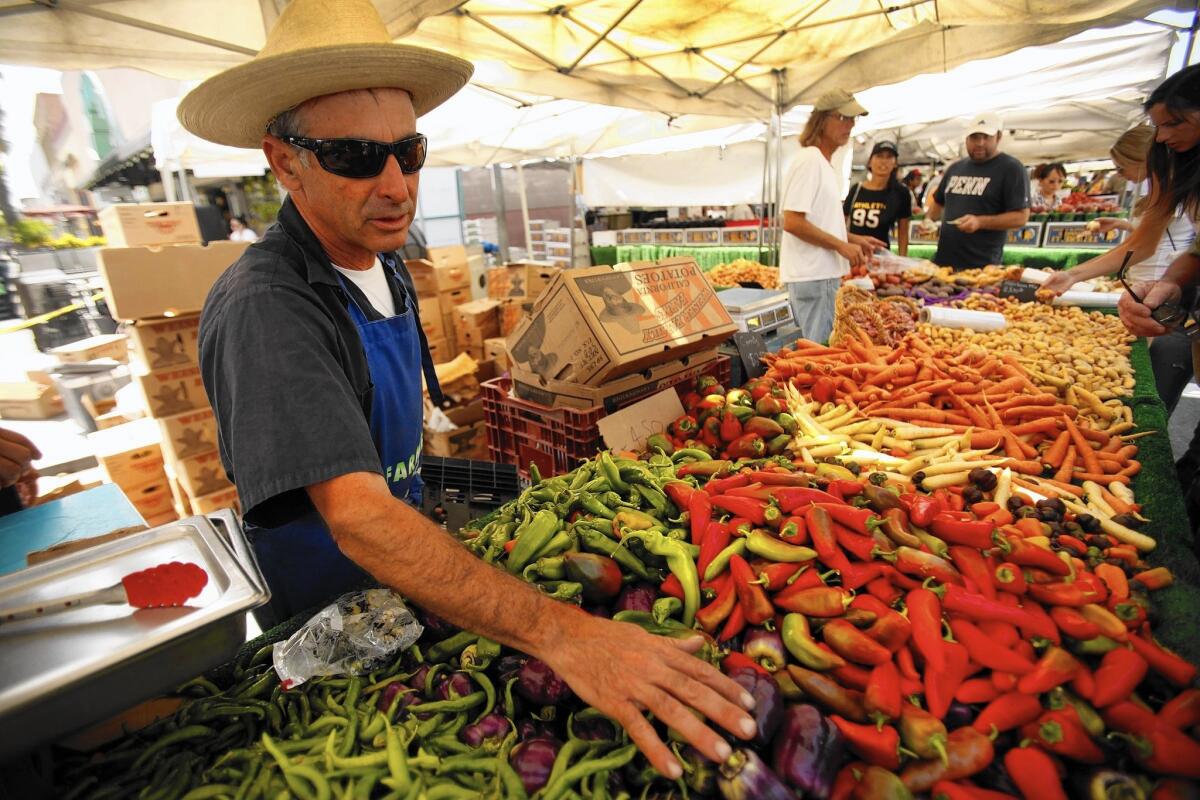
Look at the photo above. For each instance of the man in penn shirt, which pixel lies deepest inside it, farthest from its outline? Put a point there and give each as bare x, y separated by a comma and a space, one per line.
981, 198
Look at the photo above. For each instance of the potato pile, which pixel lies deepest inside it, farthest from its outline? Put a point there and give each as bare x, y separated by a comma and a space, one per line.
743, 271
1060, 346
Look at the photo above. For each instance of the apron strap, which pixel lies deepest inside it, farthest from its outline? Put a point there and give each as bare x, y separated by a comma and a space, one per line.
400, 271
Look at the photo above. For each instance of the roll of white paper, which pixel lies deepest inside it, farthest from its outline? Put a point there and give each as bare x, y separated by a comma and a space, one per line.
862, 283
1038, 277
1088, 299
963, 318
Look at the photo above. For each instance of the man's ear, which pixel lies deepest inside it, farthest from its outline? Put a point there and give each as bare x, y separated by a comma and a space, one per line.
285, 162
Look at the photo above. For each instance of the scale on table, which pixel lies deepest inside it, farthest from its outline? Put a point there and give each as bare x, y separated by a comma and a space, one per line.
757, 310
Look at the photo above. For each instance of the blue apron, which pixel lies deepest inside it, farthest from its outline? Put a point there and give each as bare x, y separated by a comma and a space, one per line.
300, 561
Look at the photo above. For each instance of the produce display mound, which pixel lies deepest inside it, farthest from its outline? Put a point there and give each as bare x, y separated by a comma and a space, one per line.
882, 545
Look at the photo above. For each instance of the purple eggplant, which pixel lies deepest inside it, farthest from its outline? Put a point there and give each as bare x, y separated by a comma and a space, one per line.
699, 773
540, 685
598, 611
456, 684
434, 625
960, 715
768, 702
487, 732
636, 597
508, 666
808, 751
535, 729
766, 648
388, 695
417, 679
744, 776
533, 760
593, 729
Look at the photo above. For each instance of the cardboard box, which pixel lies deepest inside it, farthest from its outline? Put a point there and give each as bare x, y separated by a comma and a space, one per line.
114, 418
201, 475
189, 434
149, 224
451, 336
166, 342
475, 351
172, 391
152, 500
433, 324
129, 454
476, 321
109, 345
511, 313
592, 325
439, 351
520, 279
227, 498
29, 401
496, 351
614, 394
453, 298
440, 273
469, 440
143, 282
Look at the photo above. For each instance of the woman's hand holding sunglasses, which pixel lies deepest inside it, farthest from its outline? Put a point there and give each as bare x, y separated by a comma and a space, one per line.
1139, 302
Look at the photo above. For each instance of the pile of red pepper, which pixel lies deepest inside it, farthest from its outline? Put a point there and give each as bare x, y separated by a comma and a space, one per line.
937, 635
750, 422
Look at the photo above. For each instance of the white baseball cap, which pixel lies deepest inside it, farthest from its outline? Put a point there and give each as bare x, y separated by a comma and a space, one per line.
989, 124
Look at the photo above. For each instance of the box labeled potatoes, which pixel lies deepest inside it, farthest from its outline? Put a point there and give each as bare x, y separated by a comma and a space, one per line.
619, 392
592, 325
189, 434
172, 391
201, 475
166, 342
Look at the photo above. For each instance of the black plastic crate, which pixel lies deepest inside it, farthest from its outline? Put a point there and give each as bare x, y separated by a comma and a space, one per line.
458, 490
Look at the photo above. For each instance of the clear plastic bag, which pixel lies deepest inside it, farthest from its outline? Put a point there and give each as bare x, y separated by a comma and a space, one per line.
888, 263
357, 633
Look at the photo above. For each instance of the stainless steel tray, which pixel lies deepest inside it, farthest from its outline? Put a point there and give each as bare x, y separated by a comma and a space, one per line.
226, 522
69, 670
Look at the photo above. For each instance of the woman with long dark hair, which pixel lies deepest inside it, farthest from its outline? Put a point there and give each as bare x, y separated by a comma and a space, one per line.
1048, 180
880, 201
1174, 167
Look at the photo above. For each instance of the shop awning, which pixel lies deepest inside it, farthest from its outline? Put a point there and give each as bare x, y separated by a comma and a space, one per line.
131, 164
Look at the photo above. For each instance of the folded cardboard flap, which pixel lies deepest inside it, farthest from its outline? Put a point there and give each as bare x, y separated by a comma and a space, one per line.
144, 224
29, 401
108, 345
166, 281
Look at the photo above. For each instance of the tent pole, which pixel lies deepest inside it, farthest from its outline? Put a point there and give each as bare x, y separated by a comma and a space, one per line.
501, 211
168, 182
777, 123
524, 209
1187, 58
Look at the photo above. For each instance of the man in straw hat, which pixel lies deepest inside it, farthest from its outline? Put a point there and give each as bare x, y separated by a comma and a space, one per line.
312, 357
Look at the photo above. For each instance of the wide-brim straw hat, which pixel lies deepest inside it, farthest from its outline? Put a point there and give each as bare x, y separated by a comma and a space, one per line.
317, 47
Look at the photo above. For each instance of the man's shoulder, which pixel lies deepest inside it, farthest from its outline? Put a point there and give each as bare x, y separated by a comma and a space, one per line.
1006, 161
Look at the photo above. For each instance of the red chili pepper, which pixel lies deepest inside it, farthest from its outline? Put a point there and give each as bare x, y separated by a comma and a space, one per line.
851, 675
1034, 773
734, 625
1168, 752
1004, 634
906, 665
972, 533
1030, 555
794, 531
1164, 662
1132, 612
672, 587
891, 629
1054, 668
1119, 674
1073, 624
940, 687
861, 547
926, 565
977, 690
723, 485
780, 477
947, 790
878, 746
986, 652
1182, 710
716, 539
1010, 578
921, 509
1129, 717
882, 589
791, 498
900, 580
973, 565
958, 600
699, 516
925, 614
509, 545
1039, 622
817, 601
731, 427
734, 662
854, 645
754, 491
846, 782
742, 507
1071, 544
847, 488
774, 577
857, 575
824, 540
1004, 682
856, 519
712, 615
1006, 712
749, 446
1084, 682
752, 599
883, 698
1061, 732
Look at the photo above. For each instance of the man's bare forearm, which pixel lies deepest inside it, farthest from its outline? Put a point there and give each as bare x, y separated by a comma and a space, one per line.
403, 550
1184, 271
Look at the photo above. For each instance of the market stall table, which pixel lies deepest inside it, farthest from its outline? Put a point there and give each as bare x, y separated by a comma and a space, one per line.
706, 257
1035, 257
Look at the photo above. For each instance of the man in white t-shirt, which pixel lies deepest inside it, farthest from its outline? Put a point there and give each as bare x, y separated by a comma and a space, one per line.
817, 251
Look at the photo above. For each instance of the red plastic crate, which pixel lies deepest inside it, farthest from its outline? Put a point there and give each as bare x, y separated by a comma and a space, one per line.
556, 439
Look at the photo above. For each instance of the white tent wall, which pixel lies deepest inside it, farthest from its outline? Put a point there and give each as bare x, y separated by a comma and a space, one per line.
715, 176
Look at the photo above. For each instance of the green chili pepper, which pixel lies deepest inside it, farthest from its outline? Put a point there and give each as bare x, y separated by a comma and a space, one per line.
721, 561
561, 590
455, 704
601, 543
531, 539
654, 498
184, 734
551, 567
448, 648
767, 546
611, 472
681, 563
614, 760
591, 504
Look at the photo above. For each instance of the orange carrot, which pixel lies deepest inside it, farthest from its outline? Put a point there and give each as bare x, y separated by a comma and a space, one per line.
1086, 453
1068, 464
1049, 426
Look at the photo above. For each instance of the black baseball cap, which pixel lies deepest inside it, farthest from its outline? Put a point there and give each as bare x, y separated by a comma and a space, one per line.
884, 144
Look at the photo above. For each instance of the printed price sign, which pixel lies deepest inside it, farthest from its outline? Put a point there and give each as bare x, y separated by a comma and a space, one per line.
1026, 292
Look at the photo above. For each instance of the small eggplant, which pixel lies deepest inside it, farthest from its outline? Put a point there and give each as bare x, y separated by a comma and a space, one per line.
959, 715
768, 702
744, 776
766, 648
636, 597
593, 729
388, 695
508, 666
417, 679
533, 759
456, 684
435, 626
540, 685
535, 729
599, 575
808, 751
488, 732
699, 773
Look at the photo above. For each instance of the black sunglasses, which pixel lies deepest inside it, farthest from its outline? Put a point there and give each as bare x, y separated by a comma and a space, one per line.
363, 158
1169, 315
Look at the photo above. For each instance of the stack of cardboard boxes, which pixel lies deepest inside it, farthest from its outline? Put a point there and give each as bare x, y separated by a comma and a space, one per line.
515, 287
157, 283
